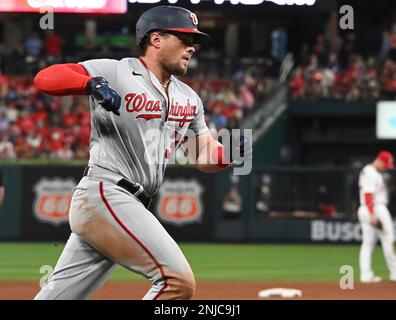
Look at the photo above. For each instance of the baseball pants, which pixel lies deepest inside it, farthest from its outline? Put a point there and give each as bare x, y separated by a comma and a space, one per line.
111, 227
370, 236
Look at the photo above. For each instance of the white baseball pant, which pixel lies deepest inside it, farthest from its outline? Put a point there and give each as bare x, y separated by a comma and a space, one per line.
370, 235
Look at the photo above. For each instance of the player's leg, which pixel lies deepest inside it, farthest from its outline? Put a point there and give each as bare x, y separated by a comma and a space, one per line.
387, 239
79, 271
116, 224
369, 240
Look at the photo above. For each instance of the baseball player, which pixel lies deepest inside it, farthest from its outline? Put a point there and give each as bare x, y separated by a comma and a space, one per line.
140, 113
374, 217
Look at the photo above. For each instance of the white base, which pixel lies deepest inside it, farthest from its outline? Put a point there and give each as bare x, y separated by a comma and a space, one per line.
280, 292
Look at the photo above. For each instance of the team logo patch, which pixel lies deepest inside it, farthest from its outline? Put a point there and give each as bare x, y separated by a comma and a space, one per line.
194, 18
52, 199
180, 201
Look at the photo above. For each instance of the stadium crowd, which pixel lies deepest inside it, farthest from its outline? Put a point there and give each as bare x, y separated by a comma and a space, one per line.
36, 125
345, 74
33, 124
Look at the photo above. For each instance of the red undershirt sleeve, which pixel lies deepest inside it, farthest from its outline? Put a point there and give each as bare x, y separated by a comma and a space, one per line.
369, 199
63, 79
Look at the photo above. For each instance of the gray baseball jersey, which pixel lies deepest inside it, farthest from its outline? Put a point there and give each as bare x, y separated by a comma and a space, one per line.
110, 225
139, 143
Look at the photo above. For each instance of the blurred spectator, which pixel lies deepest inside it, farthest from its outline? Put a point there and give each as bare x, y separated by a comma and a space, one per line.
320, 50
297, 84
349, 49
232, 201
22, 148
333, 62
65, 152
33, 46
53, 46
385, 47
11, 112
392, 45
246, 97
14, 132
353, 94
25, 122
4, 123
34, 141
278, 43
6, 148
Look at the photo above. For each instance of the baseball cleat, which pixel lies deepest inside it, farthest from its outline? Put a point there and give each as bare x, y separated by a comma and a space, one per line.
392, 278
373, 279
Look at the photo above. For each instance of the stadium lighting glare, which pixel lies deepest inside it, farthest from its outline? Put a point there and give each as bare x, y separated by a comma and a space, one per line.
235, 2
71, 4
386, 120
68, 6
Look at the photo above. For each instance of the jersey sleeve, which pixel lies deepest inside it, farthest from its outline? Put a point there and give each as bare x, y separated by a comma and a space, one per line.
1, 179
198, 124
106, 68
367, 181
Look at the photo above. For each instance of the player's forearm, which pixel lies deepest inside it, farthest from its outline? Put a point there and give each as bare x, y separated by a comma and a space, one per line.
63, 79
369, 201
211, 158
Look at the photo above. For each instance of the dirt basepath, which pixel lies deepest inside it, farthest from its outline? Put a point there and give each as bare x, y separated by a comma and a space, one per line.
221, 290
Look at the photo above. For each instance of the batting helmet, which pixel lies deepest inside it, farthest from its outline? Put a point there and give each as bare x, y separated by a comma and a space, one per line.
170, 18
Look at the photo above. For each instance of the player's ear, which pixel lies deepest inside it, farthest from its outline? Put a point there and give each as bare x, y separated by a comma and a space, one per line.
155, 40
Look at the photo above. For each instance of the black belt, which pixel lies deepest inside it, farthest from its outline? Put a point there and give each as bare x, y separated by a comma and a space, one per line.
132, 188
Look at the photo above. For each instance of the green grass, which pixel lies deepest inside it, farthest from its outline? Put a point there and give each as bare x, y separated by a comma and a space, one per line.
259, 262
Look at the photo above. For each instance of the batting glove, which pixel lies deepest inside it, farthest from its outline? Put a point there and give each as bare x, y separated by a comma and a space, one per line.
109, 99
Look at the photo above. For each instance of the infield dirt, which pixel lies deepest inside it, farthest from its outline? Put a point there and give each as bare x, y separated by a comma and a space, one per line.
219, 290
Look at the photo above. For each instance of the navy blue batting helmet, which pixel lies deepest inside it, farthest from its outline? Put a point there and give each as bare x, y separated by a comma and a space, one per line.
169, 18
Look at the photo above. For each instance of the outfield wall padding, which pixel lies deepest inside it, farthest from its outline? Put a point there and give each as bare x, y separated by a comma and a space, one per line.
269, 205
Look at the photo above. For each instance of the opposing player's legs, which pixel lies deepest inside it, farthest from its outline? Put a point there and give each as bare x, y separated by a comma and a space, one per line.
387, 239
116, 224
369, 240
79, 271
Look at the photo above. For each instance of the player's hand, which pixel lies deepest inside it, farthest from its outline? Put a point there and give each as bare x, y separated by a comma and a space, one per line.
109, 99
238, 149
375, 222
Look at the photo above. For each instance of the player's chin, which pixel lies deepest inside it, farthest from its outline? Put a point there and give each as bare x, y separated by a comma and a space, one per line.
180, 69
